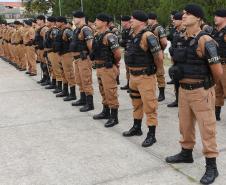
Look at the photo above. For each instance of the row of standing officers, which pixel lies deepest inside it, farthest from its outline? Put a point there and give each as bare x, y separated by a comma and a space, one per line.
67, 56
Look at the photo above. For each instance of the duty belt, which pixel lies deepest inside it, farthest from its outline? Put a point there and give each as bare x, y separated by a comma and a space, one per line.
141, 72
196, 85
100, 65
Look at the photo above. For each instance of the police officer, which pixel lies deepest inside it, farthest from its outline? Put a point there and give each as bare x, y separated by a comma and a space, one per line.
58, 46
177, 21
39, 43
197, 68
106, 55
220, 37
144, 58
29, 37
81, 45
48, 42
125, 38
160, 33
66, 59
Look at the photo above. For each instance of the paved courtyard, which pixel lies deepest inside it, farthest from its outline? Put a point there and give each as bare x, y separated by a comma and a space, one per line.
46, 141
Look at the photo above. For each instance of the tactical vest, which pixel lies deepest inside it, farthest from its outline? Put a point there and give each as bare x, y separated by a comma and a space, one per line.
48, 41
135, 56
186, 58
76, 44
220, 37
100, 51
38, 39
66, 43
126, 37
58, 41
178, 41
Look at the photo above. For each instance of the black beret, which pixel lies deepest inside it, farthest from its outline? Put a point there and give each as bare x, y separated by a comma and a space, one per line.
174, 12
195, 10
152, 16
111, 18
178, 16
28, 22
33, 20
61, 19
17, 22
125, 18
220, 13
103, 17
51, 19
41, 17
140, 15
79, 14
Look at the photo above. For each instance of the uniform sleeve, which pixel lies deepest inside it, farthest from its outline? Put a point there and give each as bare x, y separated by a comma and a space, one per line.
153, 44
87, 33
112, 40
161, 32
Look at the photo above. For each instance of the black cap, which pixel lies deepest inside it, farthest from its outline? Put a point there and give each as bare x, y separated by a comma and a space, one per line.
41, 17
61, 19
178, 16
140, 15
79, 14
28, 22
195, 10
33, 20
103, 17
152, 16
17, 23
220, 13
125, 18
51, 19
173, 12
111, 19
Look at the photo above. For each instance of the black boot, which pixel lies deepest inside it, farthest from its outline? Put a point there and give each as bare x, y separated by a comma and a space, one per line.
126, 86
135, 130
161, 94
64, 92
105, 114
175, 103
72, 95
89, 104
81, 101
113, 118
52, 85
218, 113
150, 139
46, 74
58, 88
185, 156
43, 77
170, 82
117, 80
211, 171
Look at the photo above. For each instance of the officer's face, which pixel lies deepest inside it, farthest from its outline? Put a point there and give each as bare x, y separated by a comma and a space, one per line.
134, 23
219, 20
125, 24
177, 23
100, 24
150, 21
76, 21
189, 19
59, 24
39, 22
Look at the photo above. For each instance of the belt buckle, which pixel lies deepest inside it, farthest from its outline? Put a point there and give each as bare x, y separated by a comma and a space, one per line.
190, 87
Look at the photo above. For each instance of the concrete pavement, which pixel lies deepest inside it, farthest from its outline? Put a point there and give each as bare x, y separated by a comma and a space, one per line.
46, 141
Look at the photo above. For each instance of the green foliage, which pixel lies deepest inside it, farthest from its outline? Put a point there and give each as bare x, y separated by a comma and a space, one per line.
122, 7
